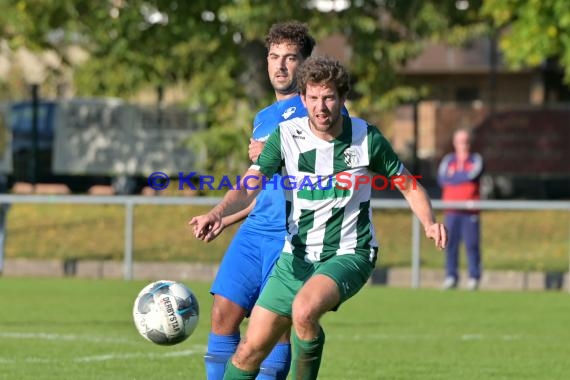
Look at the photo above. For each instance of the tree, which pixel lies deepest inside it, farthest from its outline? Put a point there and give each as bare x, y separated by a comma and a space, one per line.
532, 31
207, 43
213, 49
382, 34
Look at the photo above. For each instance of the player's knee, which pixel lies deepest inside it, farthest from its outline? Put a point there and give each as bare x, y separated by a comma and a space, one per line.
225, 321
304, 315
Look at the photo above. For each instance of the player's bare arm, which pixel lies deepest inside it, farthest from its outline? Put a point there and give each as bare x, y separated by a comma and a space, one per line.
254, 150
419, 202
238, 216
232, 219
207, 227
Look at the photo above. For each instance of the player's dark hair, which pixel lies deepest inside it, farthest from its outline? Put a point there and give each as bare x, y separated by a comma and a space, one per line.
294, 32
323, 70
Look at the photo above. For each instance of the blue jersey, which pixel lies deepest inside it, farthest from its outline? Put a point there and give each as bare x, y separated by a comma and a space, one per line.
268, 215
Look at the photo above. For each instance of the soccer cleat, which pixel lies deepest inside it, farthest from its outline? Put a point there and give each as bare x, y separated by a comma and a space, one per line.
472, 284
449, 283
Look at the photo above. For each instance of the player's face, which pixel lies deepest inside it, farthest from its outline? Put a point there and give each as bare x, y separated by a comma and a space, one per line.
323, 105
282, 63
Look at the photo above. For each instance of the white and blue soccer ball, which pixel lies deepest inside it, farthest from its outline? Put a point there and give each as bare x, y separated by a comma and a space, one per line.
166, 312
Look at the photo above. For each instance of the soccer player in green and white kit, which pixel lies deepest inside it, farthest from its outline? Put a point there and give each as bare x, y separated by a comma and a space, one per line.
331, 248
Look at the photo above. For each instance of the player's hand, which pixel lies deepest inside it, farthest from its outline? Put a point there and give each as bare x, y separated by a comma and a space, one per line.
438, 233
255, 148
207, 227
214, 233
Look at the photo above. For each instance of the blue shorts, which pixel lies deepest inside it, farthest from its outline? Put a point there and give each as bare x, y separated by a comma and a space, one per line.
246, 266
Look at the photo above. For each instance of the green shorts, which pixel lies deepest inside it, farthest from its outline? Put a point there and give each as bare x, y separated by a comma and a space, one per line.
350, 272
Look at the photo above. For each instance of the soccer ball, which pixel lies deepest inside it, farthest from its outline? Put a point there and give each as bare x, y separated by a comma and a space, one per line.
166, 312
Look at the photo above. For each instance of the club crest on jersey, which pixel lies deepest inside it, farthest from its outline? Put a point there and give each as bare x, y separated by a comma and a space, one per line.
350, 157
288, 112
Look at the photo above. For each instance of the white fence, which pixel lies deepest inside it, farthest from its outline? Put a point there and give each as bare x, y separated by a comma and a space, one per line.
129, 202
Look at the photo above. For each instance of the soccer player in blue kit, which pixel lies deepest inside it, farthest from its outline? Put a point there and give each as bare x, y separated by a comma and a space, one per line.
259, 241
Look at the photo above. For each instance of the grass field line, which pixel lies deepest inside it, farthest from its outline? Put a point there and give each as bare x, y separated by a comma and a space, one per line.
413, 337
197, 349
504, 337
351, 337
64, 337
194, 350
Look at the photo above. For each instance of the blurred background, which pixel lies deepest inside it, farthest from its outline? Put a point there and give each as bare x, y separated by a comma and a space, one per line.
107, 92
96, 96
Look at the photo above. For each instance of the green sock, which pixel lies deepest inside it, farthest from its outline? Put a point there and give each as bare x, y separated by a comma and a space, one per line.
307, 356
234, 373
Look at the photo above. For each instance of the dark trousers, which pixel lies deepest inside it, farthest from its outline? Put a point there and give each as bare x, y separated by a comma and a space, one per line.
463, 226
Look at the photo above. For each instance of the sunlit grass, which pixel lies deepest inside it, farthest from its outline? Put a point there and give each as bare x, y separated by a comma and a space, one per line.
82, 329
523, 240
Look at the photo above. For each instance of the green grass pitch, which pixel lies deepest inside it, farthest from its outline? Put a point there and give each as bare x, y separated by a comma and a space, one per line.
82, 329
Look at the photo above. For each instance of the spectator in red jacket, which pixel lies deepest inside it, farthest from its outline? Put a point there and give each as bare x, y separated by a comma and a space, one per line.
458, 176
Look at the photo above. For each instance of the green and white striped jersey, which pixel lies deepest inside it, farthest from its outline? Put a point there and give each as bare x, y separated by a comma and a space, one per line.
327, 212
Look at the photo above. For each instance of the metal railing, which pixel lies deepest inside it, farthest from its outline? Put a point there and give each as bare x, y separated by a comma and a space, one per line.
129, 202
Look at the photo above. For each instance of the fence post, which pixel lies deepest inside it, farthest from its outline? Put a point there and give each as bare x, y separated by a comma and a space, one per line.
415, 252
128, 255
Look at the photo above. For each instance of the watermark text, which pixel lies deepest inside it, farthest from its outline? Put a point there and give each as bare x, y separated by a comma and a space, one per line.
341, 181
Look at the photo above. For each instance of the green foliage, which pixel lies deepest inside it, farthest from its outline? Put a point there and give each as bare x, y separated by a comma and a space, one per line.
532, 31
214, 49
224, 148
